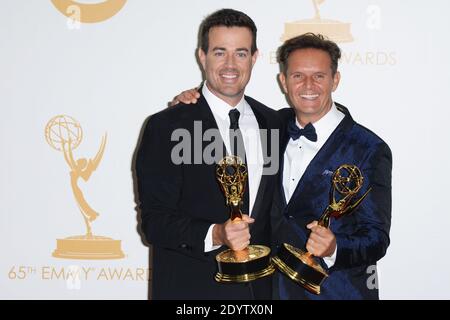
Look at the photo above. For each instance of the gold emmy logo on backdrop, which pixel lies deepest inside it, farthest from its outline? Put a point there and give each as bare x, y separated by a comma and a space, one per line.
254, 261
64, 133
300, 266
89, 12
334, 30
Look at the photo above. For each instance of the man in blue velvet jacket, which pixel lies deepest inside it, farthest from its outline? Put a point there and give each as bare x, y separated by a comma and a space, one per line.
350, 248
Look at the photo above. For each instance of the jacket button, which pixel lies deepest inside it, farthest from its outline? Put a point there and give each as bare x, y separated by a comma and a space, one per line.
183, 246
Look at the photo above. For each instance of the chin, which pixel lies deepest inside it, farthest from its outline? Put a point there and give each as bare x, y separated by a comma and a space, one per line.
306, 110
231, 93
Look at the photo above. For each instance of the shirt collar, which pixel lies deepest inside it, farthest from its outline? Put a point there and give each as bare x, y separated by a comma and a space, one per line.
220, 107
326, 125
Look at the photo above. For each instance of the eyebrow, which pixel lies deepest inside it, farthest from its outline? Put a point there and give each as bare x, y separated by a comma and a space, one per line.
224, 49
300, 72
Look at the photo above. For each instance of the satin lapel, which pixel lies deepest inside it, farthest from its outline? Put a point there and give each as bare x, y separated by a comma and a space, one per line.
283, 147
284, 142
206, 114
207, 117
322, 158
266, 145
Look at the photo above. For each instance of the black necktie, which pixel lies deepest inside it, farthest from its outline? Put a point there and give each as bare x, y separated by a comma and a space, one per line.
309, 132
237, 148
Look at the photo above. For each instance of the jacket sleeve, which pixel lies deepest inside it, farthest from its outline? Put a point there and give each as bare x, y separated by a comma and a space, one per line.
370, 239
159, 184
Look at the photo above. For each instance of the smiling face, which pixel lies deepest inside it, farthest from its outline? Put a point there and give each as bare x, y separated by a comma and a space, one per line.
309, 82
228, 63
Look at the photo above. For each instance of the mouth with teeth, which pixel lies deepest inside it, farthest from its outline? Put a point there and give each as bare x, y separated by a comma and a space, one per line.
229, 76
309, 97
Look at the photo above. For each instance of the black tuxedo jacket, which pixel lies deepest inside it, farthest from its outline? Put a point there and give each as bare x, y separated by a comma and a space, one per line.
179, 202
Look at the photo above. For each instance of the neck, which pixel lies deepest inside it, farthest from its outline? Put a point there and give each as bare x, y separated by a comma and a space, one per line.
230, 100
305, 118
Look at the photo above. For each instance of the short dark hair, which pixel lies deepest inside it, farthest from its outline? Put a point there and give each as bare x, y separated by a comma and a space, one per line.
307, 41
228, 18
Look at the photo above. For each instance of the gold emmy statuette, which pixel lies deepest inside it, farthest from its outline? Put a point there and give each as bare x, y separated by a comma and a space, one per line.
301, 266
254, 261
64, 134
334, 30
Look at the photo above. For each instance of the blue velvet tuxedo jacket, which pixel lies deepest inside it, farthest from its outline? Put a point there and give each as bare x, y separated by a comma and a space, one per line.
362, 236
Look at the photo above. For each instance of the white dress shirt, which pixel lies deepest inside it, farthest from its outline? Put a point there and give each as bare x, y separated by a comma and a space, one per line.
253, 150
300, 153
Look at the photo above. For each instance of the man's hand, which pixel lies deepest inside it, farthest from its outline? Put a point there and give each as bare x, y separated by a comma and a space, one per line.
234, 234
187, 97
321, 241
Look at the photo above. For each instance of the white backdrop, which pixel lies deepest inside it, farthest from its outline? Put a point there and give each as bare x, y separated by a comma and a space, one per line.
110, 75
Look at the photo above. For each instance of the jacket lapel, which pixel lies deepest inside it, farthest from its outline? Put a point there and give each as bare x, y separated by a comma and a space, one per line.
266, 145
208, 121
322, 159
283, 146
285, 115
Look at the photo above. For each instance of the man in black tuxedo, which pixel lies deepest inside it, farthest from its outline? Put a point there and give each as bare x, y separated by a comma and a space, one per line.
184, 216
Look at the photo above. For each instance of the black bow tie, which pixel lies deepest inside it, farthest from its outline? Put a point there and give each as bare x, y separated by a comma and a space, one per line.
309, 132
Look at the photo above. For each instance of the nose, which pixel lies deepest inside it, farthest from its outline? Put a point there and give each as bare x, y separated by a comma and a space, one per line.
230, 60
308, 82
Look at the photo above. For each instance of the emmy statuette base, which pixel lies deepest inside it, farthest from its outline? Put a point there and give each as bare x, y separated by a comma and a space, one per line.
300, 268
88, 248
244, 266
